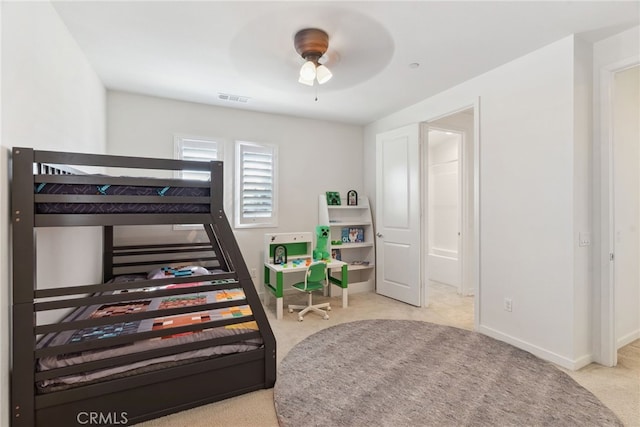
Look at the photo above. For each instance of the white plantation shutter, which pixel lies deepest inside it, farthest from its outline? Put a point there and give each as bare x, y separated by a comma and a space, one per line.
199, 149
255, 185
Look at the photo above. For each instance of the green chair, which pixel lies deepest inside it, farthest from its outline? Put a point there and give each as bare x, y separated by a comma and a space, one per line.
315, 279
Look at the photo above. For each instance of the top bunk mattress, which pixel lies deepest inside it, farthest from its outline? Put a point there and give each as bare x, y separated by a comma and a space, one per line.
143, 199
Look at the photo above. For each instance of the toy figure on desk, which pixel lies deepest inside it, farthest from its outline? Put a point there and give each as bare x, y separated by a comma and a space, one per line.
322, 238
280, 254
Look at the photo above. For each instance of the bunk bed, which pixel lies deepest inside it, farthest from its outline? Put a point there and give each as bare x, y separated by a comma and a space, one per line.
171, 326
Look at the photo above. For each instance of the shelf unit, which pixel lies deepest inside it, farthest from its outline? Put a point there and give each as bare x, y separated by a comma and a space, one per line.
342, 218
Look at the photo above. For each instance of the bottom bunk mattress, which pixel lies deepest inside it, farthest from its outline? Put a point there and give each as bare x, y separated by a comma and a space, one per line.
117, 329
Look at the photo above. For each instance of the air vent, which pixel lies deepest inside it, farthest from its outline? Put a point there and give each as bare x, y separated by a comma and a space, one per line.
232, 98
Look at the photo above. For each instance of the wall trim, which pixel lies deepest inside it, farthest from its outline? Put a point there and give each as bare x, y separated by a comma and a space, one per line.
628, 339
540, 352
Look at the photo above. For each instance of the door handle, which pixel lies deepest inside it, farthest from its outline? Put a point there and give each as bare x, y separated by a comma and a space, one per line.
379, 235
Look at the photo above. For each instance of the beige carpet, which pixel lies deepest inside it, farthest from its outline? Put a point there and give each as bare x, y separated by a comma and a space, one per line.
618, 388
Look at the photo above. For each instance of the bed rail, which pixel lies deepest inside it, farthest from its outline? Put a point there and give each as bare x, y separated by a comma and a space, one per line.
130, 259
59, 194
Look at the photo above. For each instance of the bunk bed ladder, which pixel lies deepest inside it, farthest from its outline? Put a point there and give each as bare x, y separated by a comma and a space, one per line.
24, 279
219, 229
220, 232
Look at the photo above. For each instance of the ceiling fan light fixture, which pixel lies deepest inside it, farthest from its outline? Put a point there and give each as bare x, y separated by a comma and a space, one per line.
308, 71
308, 82
323, 74
311, 44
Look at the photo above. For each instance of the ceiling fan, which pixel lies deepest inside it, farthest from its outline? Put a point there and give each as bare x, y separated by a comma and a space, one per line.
311, 44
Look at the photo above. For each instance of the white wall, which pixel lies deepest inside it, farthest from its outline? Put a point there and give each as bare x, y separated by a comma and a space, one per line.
314, 156
51, 99
608, 54
443, 182
527, 156
582, 201
443, 208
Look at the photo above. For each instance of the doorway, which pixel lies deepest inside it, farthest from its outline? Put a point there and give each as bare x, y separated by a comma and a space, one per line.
401, 194
448, 224
626, 204
620, 208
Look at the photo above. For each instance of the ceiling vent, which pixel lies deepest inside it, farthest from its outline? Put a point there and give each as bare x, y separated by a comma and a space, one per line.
232, 98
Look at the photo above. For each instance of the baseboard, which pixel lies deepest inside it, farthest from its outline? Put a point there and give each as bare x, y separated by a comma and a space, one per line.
583, 361
627, 339
540, 352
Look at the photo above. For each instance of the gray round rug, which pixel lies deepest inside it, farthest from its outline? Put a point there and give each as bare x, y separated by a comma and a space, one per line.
412, 373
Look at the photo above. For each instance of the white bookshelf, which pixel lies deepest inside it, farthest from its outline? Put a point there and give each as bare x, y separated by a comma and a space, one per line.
359, 255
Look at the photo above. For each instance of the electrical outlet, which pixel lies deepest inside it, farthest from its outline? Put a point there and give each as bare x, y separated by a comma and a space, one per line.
584, 238
254, 273
508, 304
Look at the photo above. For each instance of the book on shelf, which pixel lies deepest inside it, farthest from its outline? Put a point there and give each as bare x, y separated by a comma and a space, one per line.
333, 198
352, 235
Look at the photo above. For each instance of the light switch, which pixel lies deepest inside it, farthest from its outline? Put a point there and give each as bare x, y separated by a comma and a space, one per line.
584, 238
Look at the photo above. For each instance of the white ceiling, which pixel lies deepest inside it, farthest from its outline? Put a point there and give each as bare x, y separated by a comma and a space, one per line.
194, 51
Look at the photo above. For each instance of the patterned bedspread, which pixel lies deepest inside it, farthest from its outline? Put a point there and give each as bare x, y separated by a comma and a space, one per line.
116, 329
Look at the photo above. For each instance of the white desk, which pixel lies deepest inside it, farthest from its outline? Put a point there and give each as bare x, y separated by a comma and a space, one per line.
281, 270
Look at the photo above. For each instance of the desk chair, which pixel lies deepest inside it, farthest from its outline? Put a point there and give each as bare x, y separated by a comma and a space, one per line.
315, 279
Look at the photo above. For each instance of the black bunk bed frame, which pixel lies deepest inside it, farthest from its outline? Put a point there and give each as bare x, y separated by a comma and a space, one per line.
142, 396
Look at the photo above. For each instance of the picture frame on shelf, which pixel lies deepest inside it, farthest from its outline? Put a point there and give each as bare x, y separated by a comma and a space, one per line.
336, 254
352, 198
352, 235
333, 198
280, 255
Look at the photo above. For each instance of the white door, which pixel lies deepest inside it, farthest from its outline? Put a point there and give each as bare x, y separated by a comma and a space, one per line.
398, 214
443, 207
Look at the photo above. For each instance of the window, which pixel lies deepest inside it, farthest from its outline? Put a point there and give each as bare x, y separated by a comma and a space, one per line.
256, 202
199, 149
